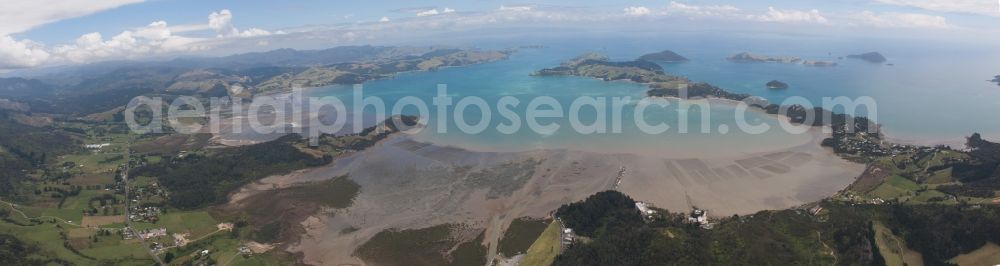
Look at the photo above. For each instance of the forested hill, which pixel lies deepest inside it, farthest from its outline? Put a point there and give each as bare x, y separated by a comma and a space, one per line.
839, 233
26, 148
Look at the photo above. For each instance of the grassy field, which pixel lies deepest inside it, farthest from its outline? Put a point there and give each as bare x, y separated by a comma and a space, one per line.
93, 161
895, 187
197, 223
520, 234
544, 250
893, 249
989, 254
109, 250
45, 236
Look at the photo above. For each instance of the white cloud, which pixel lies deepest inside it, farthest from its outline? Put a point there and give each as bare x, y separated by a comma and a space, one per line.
636, 11
222, 23
515, 8
20, 16
434, 11
903, 20
23, 53
428, 13
384, 19
790, 16
980, 7
155, 38
701, 11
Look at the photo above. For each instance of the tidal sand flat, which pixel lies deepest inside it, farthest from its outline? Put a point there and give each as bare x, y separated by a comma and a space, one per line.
408, 184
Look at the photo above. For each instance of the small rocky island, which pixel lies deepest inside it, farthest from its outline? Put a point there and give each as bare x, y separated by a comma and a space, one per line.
873, 57
776, 85
749, 57
664, 56
819, 63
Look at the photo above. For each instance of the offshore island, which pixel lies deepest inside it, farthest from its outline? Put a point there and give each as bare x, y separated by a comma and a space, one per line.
776, 85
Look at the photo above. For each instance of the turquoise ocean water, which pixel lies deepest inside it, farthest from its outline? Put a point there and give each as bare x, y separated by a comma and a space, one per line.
933, 92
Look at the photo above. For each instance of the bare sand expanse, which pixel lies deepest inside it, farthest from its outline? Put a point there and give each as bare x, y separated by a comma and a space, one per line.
407, 184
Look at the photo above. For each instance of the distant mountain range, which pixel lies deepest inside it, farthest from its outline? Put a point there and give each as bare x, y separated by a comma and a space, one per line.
103, 86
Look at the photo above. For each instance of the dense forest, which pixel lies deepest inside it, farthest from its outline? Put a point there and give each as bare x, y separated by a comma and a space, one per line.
980, 175
25, 148
196, 181
785, 237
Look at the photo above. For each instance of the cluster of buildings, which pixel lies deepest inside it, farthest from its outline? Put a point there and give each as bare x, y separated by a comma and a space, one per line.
151, 233
700, 217
567, 237
861, 144
856, 199
151, 190
149, 214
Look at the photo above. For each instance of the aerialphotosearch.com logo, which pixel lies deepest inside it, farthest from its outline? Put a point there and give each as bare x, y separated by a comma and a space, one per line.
314, 116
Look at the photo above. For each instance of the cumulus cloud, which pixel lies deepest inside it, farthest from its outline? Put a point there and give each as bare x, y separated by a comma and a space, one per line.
384, 19
903, 20
636, 11
20, 16
222, 23
23, 53
155, 38
701, 11
790, 16
980, 7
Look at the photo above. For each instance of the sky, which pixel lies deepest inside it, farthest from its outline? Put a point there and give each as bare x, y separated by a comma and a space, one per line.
42, 33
